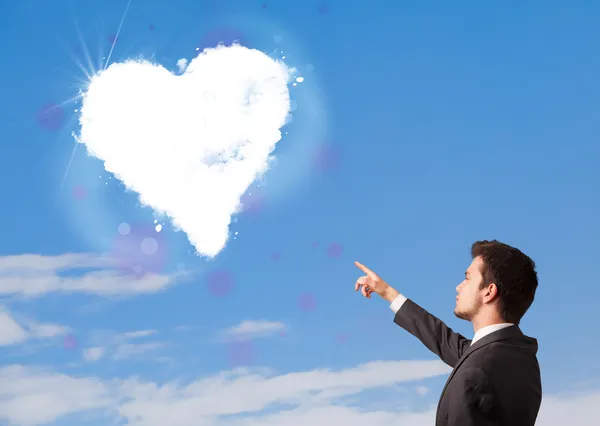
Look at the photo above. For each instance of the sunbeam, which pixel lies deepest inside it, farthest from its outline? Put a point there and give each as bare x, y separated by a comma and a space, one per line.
112, 47
89, 74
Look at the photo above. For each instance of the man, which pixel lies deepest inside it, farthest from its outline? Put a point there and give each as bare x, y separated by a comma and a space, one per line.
496, 376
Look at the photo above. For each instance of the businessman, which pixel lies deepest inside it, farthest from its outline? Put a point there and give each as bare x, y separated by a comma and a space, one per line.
496, 376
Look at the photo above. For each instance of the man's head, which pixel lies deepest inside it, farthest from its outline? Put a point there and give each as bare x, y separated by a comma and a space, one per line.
499, 284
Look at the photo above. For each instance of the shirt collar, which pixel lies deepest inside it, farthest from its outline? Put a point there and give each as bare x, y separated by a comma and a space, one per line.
482, 332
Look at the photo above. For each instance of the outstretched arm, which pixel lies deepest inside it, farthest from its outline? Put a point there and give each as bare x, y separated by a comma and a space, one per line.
431, 331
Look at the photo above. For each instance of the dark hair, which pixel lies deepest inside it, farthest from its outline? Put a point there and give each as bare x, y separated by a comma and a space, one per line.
513, 273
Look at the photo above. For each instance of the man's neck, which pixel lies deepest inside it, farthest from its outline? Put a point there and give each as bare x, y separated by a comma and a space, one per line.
479, 324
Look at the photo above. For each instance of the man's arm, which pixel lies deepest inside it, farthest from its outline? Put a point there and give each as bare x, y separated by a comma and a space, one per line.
431, 331
472, 401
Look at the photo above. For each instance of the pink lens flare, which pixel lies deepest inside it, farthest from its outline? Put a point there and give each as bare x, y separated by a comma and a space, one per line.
51, 117
79, 192
138, 249
307, 302
326, 158
220, 282
70, 342
334, 250
241, 353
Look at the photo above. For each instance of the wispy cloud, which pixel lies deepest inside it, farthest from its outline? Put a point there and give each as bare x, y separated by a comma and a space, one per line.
139, 333
129, 350
119, 346
31, 275
13, 332
248, 329
93, 353
422, 390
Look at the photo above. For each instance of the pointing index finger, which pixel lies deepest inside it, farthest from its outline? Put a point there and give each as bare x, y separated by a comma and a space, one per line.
366, 270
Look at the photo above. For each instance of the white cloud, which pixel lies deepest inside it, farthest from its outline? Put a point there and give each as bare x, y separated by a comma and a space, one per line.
47, 330
422, 390
139, 333
253, 329
13, 332
39, 263
581, 409
34, 275
128, 350
28, 397
209, 132
119, 345
93, 354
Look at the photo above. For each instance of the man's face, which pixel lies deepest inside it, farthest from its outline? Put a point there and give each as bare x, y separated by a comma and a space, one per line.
468, 300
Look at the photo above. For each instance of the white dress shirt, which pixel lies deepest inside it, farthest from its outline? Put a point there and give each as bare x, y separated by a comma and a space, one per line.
482, 332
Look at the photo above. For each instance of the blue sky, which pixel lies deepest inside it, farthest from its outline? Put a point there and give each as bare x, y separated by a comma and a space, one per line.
450, 123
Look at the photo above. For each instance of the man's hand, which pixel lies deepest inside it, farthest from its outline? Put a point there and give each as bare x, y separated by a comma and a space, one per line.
372, 283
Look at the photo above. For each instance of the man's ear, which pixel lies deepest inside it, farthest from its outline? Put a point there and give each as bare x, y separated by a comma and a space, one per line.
490, 293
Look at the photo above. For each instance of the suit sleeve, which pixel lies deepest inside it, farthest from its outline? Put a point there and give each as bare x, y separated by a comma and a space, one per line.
432, 332
473, 401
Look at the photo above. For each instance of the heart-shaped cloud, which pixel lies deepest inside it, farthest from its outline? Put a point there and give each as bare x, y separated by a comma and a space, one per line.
190, 145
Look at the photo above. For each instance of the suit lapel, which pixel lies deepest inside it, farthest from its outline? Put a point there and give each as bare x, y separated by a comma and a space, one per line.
503, 334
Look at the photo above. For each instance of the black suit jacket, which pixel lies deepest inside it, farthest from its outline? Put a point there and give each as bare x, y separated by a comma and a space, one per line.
494, 382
